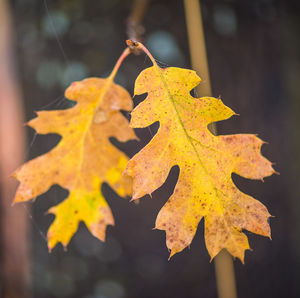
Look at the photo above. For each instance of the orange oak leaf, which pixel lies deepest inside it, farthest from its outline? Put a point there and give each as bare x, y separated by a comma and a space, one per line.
205, 188
83, 159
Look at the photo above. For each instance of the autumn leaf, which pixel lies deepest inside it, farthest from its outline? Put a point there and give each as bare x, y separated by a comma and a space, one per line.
83, 159
205, 188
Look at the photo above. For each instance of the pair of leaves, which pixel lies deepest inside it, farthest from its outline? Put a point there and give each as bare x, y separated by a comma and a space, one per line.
85, 158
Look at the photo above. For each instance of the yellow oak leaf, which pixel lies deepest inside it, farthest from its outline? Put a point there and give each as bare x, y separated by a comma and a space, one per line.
204, 188
83, 159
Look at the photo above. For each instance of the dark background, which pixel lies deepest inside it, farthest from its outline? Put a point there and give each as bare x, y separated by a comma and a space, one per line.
253, 53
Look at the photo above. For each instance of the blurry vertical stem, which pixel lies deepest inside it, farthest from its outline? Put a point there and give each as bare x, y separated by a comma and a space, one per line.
15, 275
223, 261
134, 22
138, 11
197, 44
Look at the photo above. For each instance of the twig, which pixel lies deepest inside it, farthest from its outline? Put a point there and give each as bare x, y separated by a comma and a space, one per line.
135, 29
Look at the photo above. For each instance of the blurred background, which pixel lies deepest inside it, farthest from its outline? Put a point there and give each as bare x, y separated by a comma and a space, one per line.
253, 50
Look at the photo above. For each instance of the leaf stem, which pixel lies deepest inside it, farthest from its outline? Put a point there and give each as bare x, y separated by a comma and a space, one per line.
134, 21
125, 53
137, 45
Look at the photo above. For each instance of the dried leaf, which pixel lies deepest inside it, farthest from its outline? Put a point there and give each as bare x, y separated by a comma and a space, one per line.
205, 188
83, 159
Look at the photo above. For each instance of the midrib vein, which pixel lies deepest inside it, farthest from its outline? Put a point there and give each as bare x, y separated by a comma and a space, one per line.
184, 129
88, 125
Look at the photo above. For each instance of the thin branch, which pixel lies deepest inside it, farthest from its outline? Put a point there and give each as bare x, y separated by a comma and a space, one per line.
135, 29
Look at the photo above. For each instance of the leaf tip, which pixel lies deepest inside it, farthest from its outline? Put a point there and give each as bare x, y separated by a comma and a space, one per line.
133, 198
172, 253
14, 175
51, 211
51, 244
65, 247
18, 199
